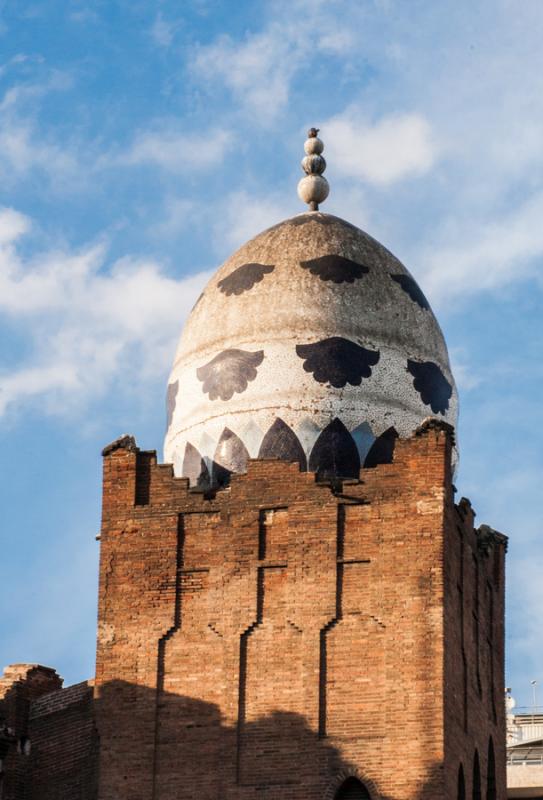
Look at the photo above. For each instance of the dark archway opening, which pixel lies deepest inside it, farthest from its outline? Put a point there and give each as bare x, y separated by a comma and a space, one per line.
352, 789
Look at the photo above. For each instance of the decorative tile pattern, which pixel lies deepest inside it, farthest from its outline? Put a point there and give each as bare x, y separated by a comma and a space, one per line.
244, 278
229, 372
411, 288
335, 268
433, 387
337, 361
281, 442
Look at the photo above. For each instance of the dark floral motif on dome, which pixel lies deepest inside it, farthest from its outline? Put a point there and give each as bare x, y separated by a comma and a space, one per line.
281, 442
195, 468
382, 450
337, 361
411, 287
229, 373
335, 454
231, 456
335, 268
171, 399
244, 278
432, 385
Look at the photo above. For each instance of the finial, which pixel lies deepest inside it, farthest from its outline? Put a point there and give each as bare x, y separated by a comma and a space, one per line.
314, 188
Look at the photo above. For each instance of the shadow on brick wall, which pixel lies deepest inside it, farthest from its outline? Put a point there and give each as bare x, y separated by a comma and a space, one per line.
180, 748
50, 752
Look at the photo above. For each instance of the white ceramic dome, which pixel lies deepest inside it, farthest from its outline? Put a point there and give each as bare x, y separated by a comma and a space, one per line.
312, 343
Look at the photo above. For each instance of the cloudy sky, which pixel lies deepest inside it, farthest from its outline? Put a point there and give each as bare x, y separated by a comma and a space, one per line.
141, 142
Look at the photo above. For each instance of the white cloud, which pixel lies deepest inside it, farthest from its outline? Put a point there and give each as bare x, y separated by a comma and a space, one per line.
466, 376
28, 146
12, 225
18, 59
245, 215
85, 324
26, 93
474, 256
23, 150
23, 145
259, 70
337, 40
350, 202
175, 151
395, 147
163, 30
178, 214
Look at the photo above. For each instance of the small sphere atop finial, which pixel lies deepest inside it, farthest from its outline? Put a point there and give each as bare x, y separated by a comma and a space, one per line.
313, 189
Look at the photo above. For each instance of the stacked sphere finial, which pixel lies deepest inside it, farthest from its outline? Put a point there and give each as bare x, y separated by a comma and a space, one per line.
314, 188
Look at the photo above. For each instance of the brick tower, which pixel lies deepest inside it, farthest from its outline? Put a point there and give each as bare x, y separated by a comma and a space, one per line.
285, 638
294, 607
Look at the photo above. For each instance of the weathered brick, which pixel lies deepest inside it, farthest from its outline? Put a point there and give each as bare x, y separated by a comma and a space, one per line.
267, 640
276, 638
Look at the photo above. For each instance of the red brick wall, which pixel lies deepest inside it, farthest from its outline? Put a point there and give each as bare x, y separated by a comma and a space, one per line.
55, 747
64, 746
474, 655
268, 640
20, 686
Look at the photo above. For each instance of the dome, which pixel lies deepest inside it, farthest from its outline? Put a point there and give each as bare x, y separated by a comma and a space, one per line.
312, 343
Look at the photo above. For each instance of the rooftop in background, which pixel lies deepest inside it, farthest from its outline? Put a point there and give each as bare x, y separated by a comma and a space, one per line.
524, 751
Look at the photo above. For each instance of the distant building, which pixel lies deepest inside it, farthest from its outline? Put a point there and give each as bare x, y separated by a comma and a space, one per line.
524, 752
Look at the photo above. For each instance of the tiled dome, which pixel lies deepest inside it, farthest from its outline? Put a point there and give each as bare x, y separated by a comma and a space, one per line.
312, 343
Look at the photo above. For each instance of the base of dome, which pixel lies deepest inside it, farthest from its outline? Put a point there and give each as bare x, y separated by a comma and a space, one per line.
336, 453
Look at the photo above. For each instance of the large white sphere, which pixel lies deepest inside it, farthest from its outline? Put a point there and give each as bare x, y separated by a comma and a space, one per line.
311, 343
313, 189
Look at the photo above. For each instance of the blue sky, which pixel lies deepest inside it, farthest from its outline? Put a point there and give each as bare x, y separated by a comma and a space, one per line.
141, 142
